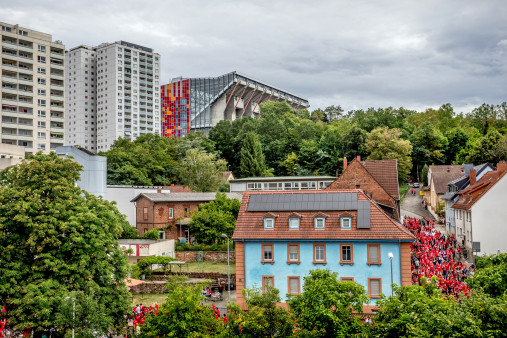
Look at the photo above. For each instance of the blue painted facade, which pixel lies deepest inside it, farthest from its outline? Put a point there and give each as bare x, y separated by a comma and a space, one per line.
359, 270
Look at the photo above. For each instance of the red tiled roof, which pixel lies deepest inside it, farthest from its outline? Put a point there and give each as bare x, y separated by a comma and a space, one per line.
385, 172
447, 168
250, 225
442, 178
469, 196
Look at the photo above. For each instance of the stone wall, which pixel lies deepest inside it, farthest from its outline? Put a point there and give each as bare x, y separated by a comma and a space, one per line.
209, 256
149, 287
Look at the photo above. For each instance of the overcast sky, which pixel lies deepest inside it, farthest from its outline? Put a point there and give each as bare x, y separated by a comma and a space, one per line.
357, 54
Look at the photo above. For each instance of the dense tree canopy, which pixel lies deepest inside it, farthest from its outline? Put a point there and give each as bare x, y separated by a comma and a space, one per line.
215, 218
285, 141
56, 239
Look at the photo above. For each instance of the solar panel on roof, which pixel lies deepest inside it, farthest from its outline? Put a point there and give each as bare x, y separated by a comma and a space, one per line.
305, 202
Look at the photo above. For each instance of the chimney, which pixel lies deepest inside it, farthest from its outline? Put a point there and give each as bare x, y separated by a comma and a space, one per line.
344, 163
501, 167
468, 167
473, 177
358, 158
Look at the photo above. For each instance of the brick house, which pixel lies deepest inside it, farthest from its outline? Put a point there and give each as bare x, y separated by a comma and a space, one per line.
281, 235
170, 212
378, 179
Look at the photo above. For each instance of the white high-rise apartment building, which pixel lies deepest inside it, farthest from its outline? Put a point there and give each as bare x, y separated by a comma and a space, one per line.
32, 100
113, 91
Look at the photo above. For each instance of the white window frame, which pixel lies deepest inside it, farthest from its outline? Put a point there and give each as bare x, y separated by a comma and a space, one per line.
269, 223
294, 223
349, 219
316, 223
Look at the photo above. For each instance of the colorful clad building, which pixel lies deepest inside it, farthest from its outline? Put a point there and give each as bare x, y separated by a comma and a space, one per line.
198, 104
280, 236
175, 108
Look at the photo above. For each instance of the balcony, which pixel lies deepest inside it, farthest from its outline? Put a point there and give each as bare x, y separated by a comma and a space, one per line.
57, 65
58, 55
9, 136
56, 129
56, 84
57, 76
58, 108
8, 65
25, 81
9, 43
10, 101
25, 48
56, 97
25, 70
8, 90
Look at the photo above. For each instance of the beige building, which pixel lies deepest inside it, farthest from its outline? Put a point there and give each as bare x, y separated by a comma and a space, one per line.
10, 155
32, 100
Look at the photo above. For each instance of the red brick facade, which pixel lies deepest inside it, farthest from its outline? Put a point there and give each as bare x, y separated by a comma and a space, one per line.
151, 215
355, 176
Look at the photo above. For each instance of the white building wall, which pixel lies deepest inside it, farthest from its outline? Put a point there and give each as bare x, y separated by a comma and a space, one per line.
124, 101
81, 91
489, 217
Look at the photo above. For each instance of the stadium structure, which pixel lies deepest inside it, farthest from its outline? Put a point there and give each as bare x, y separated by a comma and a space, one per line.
198, 104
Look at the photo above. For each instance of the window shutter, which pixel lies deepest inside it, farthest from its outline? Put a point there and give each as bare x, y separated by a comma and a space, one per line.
375, 287
294, 285
373, 254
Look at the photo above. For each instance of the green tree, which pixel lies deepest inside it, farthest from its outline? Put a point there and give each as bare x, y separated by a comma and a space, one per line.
263, 319
215, 218
54, 239
429, 145
424, 174
325, 305
491, 275
318, 115
149, 160
354, 143
486, 149
252, 158
333, 113
290, 164
182, 314
458, 140
385, 144
200, 170
331, 144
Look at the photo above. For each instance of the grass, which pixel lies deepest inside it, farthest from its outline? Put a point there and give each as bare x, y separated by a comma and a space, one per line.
149, 299
206, 267
403, 190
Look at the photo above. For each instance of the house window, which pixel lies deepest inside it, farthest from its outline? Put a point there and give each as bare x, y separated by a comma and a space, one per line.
269, 223
294, 285
346, 254
294, 223
161, 235
268, 281
292, 253
145, 213
187, 210
374, 287
267, 253
319, 254
346, 223
41, 59
373, 254
41, 49
320, 223
170, 212
346, 279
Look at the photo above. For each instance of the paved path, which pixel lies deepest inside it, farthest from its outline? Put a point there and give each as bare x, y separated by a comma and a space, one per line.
412, 207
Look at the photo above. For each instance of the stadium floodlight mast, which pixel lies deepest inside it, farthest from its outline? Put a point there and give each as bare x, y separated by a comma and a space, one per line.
228, 270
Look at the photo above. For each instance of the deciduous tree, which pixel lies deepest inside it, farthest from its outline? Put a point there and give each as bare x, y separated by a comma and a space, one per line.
200, 170
54, 239
252, 158
386, 144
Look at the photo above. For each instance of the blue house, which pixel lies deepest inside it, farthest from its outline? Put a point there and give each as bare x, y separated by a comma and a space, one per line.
280, 236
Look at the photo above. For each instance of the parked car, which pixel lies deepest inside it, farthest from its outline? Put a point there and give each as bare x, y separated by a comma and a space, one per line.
415, 185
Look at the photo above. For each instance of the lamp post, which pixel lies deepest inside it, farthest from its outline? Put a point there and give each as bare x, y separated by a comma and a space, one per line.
391, 256
73, 313
228, 270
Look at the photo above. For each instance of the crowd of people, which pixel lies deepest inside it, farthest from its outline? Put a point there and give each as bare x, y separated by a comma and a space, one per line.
434, 254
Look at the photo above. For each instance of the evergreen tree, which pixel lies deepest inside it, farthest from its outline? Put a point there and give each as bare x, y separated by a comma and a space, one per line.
252, 159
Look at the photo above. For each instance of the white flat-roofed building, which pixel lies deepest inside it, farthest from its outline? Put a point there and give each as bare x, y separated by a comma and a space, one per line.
281, 183
32, 100
115, 92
